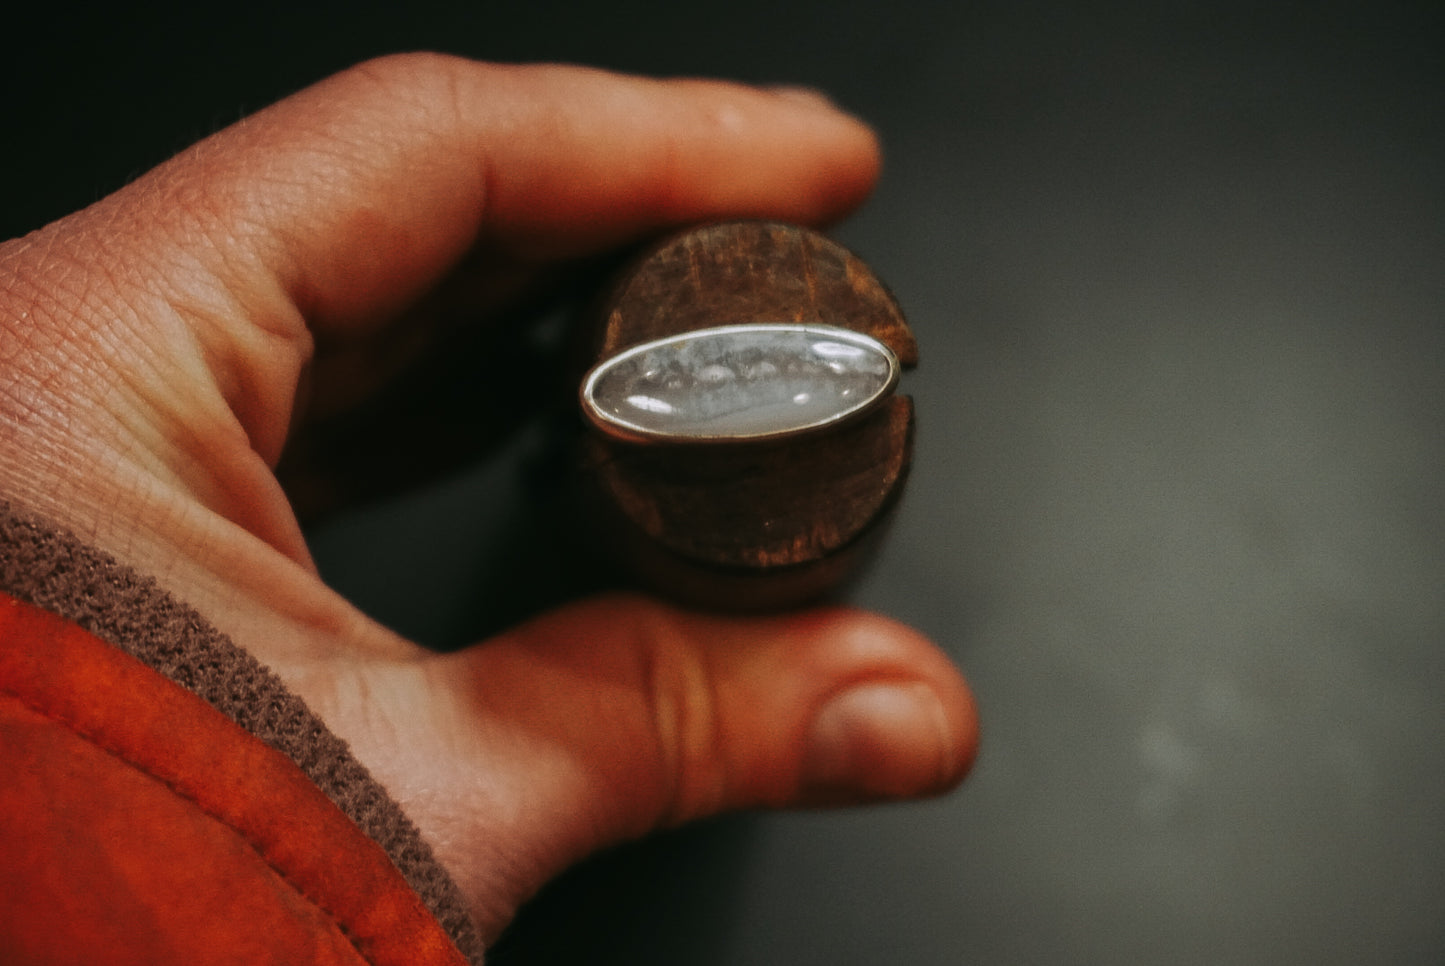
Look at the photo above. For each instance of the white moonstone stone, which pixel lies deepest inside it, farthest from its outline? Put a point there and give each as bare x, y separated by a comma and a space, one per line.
739, 382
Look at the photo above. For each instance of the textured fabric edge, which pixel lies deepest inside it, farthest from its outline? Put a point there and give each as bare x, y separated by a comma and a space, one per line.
53, 570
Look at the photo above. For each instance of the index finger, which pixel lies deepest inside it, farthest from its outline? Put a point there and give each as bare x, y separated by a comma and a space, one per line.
329, 213
359, 193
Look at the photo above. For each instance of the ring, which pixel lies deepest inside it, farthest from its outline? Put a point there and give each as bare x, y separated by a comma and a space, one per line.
739, 383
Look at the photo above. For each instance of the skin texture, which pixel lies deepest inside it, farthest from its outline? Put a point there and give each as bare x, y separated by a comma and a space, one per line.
159, 347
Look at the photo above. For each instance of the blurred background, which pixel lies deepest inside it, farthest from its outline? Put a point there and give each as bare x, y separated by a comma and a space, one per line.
1178, 273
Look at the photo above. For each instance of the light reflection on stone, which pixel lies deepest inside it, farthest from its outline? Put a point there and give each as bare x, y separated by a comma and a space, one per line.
740, 382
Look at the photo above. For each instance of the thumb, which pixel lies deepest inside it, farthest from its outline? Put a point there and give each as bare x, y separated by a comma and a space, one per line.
611, 718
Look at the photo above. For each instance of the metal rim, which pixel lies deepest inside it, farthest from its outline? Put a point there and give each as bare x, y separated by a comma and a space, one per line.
622, 429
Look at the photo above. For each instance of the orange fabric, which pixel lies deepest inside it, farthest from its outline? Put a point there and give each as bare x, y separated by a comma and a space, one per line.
138, 824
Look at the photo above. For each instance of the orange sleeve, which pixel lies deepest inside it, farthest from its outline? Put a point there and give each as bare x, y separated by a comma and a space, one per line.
138, 824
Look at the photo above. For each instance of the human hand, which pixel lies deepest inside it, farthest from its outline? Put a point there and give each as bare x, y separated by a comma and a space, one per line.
153, 360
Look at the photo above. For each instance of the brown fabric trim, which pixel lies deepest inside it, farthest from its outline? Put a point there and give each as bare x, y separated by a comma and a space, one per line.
53, 570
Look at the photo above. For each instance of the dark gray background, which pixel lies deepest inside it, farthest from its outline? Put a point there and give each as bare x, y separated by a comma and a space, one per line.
1177, 505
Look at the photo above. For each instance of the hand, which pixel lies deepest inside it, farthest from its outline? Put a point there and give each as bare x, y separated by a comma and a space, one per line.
151, 361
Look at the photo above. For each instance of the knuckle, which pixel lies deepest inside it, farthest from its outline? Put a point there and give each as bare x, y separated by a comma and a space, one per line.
684, 710
432, 85
416, 68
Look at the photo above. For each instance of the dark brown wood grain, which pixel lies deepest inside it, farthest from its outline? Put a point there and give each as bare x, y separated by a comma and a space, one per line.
750, 272
749, 526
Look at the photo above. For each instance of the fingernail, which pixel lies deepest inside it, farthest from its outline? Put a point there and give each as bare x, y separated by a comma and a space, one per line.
880, 741
808, 96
